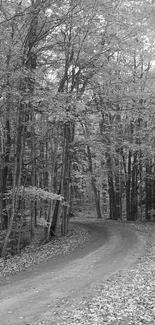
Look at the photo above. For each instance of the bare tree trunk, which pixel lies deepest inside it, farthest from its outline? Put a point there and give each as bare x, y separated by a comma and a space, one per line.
23, 115
114, 211
4, 173
55, 216
96, 191
66, 176
134, 189
112, 199
19, 151
148, 191
33, 176
6, 154
128, 188
140, 186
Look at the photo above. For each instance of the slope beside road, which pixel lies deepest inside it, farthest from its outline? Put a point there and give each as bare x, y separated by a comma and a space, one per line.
38, 296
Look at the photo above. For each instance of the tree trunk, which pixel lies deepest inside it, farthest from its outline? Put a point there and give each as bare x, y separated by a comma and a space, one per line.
7, 146
19, 151
5, 169
66, 173
128, 188
23, 114
112, 199
134, 189
94, 187
148, 192
55, 216
33, 175
114, 209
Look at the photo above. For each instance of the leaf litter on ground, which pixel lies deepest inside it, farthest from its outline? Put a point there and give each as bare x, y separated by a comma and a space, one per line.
126, 298
32, 254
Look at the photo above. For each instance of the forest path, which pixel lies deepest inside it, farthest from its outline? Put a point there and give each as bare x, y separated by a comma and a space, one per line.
40, 293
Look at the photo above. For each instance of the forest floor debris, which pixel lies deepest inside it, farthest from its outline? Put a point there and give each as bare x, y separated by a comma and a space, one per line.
126, 298
32, 254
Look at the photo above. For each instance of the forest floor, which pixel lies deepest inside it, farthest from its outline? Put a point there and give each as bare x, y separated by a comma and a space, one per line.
111, 280
35, 253
126, 297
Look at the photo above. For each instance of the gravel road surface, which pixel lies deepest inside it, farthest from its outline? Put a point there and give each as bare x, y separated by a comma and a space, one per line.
39, 293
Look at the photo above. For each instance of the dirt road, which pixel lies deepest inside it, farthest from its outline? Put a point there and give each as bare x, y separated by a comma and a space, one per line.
38, 293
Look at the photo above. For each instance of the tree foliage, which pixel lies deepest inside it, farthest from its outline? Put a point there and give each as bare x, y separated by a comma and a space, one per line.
76, 110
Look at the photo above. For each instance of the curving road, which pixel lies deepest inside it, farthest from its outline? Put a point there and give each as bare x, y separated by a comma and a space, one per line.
37, 293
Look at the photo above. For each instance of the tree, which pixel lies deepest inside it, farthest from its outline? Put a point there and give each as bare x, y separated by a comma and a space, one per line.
77, 107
